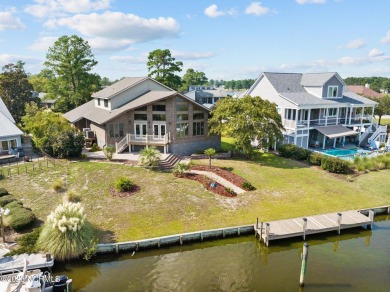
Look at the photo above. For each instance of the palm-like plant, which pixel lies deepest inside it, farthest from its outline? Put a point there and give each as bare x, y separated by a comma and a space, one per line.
149, 157
179, 169
210, 152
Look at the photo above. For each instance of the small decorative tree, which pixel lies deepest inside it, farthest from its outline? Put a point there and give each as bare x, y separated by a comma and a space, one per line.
66, 233
179, 169
149, 157
109, 151
210, 152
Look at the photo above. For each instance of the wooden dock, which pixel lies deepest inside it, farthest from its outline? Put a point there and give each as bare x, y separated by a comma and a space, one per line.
296, 227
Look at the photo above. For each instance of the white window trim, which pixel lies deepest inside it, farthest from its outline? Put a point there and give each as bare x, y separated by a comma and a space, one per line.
332, 87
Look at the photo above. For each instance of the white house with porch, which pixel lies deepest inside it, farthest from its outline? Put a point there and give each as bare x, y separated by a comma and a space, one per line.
10, 134
318, 110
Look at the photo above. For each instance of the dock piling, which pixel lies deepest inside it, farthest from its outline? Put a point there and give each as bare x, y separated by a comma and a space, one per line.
267, 228
305, 255
261, 231
339, 217
304, 227
371, 214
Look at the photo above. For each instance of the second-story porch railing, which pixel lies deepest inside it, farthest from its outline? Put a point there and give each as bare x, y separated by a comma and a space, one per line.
355, 119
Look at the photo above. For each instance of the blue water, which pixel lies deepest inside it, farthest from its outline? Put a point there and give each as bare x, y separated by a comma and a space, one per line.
357, 260
341, 152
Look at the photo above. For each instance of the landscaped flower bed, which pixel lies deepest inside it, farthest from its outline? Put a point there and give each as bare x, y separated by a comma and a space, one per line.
204, 180
226, 174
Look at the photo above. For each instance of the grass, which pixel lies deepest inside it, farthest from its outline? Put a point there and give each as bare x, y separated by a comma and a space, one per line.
227, 143
383, 121
168, 205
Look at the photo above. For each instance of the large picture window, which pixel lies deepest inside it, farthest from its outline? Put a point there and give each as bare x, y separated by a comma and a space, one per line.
181, 130
115, 130
198, 116
198, 129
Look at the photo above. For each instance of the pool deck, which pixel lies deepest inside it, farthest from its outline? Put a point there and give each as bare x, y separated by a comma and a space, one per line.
297, 227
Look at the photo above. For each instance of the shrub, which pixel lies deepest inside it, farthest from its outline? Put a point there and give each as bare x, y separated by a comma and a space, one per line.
72, 197
58, 185
84, 156
109, 151
19, 218
4, 200
210, 153
27, 243
246, 185
68, 144
14, 204
315, 158
95, 148
124, 184
230, 191
180, 168
293, 151
2, 176
3, 192
287, 150
335, 165
149, 157
66, 234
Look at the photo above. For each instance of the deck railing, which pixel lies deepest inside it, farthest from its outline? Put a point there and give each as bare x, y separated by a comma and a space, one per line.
144, 139
355, 119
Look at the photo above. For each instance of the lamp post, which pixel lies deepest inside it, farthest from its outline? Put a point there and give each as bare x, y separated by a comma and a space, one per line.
3, 212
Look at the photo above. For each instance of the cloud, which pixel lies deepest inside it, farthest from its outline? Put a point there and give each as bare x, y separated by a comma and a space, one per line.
310, 1
43, 43
130, 59
117, 30
386, 39
255, 8
350, 61
376, 53
8, 58
355, 44
212, 11
52, 8
192, 55
9, 21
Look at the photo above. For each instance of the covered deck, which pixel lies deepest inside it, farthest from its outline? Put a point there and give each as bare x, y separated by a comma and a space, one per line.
131, 140
333, 136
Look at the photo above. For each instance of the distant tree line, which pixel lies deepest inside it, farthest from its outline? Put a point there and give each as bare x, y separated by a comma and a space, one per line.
233, 84
376, 83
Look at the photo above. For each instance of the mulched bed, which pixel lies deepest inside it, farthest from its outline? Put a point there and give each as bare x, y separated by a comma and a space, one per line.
134, 190
204, 180
226, 174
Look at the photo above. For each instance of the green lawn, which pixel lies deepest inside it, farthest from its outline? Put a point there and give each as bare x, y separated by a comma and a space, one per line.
167, 205
383, 121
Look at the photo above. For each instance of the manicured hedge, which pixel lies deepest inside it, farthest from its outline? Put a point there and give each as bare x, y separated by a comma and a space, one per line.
293, 151
4, 200
3, 192
19, 217
315, 158
335, 165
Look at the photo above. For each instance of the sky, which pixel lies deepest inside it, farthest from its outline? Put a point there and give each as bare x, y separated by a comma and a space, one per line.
226, 39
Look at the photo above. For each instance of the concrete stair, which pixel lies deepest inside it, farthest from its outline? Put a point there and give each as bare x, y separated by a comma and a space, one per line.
169, 162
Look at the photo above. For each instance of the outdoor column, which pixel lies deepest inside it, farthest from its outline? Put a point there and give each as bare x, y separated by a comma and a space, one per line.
337, 116
334, 142
326, 117
350, 115
372, 115
308, 118
362, 115
296, 126
323, 142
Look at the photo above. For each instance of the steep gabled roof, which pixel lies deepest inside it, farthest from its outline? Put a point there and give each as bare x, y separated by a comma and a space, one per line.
319, 79
7, 122
118, 87
285, 82
4, 110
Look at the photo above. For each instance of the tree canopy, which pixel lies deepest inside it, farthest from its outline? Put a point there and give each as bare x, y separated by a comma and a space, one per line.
15, 89
247, 119
52, 133
192, 77
163, 67
383, 107
376, 83
70, 60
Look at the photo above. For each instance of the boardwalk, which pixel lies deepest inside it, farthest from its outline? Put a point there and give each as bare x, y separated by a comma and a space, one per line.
295, 227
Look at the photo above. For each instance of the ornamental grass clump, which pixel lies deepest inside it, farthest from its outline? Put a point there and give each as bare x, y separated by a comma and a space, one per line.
66, 233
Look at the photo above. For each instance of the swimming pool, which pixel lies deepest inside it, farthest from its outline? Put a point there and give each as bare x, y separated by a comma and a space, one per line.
341, 152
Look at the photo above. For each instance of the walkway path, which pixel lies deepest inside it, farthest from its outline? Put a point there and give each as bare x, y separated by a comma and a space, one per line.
219, 180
